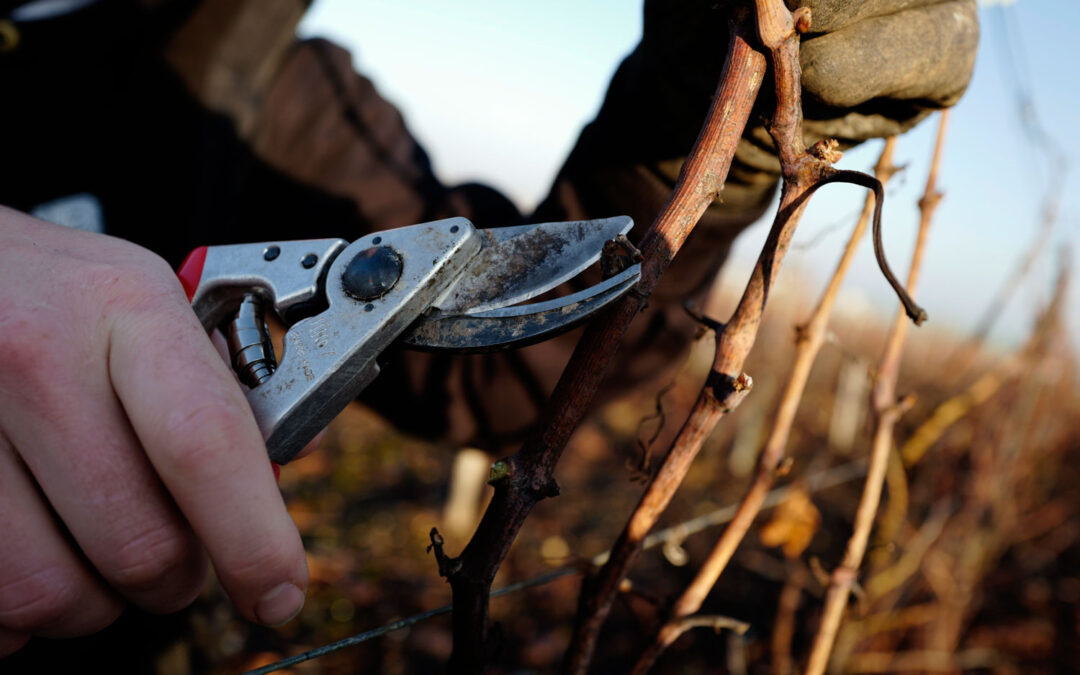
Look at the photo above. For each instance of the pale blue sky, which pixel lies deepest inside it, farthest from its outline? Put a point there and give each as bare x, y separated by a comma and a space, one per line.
498, 92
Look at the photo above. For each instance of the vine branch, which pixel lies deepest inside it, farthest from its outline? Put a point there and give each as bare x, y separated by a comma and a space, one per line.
804, 171
887, 413
810, 339
527, 477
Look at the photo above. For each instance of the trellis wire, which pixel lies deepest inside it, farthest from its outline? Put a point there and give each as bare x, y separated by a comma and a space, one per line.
818, 481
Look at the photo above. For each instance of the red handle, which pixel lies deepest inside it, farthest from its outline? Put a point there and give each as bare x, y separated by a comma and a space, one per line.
190, 274
190, 271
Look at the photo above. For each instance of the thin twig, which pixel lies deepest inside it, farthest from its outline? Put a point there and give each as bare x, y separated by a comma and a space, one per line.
644, 464
956, 408
822, 480
446, 563
887, 413
803, 172
915, 550
528, 477
783, 630
811, 337
598, 592
717, 623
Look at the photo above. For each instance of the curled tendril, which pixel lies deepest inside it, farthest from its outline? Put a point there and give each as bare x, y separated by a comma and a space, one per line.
911, 308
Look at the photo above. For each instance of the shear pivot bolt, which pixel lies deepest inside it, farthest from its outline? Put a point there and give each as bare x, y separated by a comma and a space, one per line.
372, 273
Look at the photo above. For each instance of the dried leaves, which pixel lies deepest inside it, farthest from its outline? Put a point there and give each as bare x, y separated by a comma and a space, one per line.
793, 524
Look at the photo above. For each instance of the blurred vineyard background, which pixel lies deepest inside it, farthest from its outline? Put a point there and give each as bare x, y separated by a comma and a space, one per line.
974, 560
973, 564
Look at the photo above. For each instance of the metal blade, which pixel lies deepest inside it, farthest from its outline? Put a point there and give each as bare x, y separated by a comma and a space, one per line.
505, 327
518, 263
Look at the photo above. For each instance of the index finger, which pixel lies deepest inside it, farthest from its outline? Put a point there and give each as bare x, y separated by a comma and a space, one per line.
198, 431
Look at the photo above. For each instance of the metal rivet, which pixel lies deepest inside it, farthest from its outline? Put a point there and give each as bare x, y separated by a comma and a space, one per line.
376, 240
309, 261
369, 307
371, 273
271, 253
454, 229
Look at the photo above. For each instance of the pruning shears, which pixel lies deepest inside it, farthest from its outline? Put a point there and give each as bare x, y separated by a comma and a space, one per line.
438, 286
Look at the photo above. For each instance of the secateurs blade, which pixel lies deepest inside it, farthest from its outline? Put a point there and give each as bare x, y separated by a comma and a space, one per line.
443, 285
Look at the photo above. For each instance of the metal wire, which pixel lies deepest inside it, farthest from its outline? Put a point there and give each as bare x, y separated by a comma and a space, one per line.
818, 481
404, 623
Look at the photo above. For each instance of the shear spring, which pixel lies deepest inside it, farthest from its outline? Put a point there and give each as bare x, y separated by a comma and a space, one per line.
249, 343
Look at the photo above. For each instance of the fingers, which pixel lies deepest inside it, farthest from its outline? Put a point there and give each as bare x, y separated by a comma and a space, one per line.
59, 411
116, 412
97, 478
45, 588
198, 432
11, 642
922, 54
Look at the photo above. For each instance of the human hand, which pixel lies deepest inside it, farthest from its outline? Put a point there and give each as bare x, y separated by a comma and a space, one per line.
126, 447
871, 68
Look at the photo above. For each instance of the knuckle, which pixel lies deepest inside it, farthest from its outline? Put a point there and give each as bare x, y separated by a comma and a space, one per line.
152, 559
159, 269
131, 283
265, 564
20, 334
186, 432
29, 352
40, 600
129, 289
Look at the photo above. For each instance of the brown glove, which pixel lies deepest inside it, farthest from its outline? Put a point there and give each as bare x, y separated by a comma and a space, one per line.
871, 68
876, 68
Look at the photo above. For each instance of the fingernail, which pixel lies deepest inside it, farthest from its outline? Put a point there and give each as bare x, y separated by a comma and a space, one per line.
280, 605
